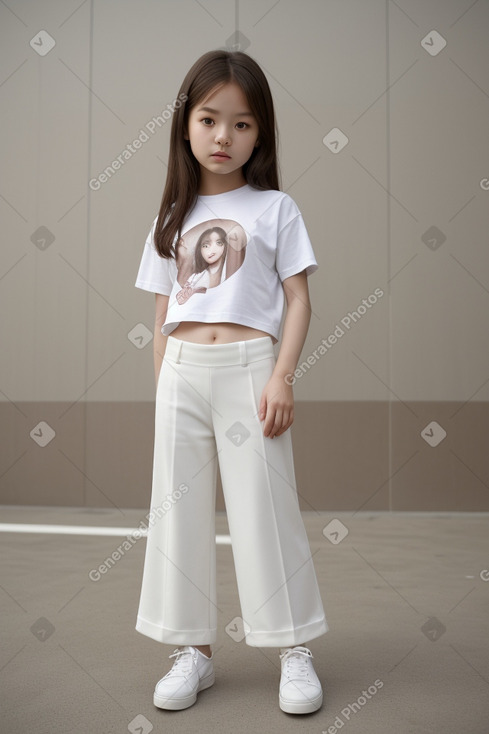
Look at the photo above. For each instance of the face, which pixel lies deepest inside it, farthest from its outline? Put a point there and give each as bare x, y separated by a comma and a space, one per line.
212, 248
222, 123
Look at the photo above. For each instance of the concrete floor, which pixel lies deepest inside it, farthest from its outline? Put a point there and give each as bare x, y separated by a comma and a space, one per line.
406, 598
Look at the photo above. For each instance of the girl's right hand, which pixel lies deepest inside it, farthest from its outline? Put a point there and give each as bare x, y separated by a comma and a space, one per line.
183, 295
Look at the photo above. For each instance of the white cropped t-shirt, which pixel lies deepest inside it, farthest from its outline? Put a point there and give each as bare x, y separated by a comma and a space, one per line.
235, 250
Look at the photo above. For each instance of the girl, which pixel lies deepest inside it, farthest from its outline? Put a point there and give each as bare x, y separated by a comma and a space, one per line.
210, 256
222, 395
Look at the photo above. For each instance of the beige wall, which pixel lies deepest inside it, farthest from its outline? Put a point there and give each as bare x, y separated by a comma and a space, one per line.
415, 168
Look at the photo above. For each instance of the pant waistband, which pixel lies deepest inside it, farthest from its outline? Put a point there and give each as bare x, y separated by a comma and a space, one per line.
215, 355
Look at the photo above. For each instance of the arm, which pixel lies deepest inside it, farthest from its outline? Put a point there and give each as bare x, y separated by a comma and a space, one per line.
159, 341
277, 400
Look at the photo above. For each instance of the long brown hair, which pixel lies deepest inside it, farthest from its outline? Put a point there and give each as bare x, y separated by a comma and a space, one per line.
261, 171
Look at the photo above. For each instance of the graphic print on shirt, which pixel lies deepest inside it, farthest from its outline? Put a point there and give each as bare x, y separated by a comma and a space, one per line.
207, 255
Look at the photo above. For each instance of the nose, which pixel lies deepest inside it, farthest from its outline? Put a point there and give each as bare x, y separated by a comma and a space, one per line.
222, 137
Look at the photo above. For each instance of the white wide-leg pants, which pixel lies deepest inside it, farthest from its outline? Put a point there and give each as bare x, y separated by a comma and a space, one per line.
207, 402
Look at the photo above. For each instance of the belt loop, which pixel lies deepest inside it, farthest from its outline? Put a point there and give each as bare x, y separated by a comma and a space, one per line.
179, 351
242, 353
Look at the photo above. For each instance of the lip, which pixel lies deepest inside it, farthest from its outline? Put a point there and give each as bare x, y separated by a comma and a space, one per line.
220, 155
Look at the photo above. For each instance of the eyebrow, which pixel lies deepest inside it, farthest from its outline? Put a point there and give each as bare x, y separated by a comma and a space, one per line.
216, 112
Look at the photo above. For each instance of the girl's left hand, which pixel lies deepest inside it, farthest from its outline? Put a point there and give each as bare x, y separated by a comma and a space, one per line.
276, 407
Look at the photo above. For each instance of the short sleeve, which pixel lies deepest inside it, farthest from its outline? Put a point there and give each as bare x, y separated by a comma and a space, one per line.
294, 249
154, 271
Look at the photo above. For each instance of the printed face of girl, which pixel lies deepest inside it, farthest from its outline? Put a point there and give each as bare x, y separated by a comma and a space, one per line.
212, 248
222, 124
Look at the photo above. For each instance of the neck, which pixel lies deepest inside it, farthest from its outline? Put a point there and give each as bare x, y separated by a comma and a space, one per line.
212, 184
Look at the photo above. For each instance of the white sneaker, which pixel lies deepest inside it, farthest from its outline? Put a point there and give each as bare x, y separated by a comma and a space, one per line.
192, 671
300, 689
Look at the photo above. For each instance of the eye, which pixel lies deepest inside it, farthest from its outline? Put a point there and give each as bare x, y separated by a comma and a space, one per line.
207, 120
242, 123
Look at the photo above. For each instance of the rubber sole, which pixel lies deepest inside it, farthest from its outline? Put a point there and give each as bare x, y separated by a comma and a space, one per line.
308, 707
177, 704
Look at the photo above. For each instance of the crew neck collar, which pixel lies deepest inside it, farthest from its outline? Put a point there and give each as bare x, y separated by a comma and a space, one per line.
225, 194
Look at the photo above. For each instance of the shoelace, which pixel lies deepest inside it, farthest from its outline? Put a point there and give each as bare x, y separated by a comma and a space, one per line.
296, 663
183, 662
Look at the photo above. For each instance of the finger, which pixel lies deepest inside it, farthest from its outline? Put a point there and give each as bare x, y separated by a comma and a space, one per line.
277, 423
269, 422
286, 424
268, 427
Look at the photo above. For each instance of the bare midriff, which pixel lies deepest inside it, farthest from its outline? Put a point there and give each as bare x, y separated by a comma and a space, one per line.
219, 333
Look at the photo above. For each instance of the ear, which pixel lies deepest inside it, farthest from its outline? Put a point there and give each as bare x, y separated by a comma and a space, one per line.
257, 144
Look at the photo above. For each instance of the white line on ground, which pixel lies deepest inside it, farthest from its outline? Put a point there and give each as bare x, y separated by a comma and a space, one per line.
11, 527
